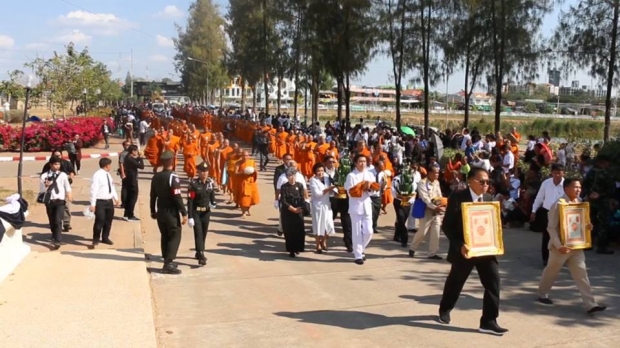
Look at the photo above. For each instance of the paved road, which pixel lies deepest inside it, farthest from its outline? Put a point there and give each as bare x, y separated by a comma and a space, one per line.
252, 294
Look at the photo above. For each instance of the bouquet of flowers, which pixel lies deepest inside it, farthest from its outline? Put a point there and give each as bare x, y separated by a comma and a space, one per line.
344, 168
405, 188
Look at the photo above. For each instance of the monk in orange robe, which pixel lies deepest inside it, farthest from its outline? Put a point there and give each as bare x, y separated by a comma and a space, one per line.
153, 150
281, 143
516, 134
231, 161
320, 151
307, 158
247, 192
362, 149
332, 150
190, 150
386, 187
172, 143
225, 149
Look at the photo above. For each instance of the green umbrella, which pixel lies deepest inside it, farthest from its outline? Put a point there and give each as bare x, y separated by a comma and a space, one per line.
407, 130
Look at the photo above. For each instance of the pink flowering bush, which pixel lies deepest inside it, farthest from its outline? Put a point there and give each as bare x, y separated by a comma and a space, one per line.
46, 136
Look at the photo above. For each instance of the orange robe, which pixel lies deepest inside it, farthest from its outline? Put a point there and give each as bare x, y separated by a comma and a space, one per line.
223, 157
281, 144
174, 144
307, 159
322, 152
153, 149
190, 150
247, 188
231, 162
386, 195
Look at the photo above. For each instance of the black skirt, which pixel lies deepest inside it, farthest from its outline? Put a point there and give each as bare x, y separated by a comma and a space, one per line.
293, 229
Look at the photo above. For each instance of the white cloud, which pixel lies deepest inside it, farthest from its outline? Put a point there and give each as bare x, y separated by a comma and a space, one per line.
170, 11
164, 41
36, 46
75, 36
101, 23
159, 58
6, 42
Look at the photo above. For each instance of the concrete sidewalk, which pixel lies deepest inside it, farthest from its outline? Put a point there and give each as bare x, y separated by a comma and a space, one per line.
78, 299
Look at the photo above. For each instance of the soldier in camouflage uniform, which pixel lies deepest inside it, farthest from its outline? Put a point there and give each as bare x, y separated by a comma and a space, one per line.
599, 188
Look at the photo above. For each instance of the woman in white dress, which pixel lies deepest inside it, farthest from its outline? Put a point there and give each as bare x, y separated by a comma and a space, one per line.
321, 208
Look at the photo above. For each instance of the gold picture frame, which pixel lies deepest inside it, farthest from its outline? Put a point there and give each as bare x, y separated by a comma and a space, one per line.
482, 228
574, 221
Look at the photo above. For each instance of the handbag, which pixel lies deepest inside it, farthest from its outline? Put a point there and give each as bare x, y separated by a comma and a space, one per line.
45, 196
418, 209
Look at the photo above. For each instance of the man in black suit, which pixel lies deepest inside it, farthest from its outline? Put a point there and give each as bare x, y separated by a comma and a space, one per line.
462, 263
276, 175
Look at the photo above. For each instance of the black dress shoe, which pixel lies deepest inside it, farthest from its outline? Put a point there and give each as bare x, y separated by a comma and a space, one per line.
545, 300
597, 309
66, 229
604, 251
107, 241
95, 242
170, 269
280, 233
202, 261
444, 317
404, 245
349, 249
411, 253
291, 254
435, 257
359, 262
492, 328
55, 245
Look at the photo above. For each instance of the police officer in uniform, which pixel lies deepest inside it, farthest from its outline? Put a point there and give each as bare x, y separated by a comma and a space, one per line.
200, 201
166, 197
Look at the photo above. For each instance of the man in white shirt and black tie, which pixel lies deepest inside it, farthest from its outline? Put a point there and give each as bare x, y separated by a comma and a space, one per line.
55, 185
463, 264
103, 198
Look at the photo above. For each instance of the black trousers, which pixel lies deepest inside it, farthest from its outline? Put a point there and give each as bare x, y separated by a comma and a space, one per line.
541, 222
376, 209
169, 223
400, 229
263, 152
130, 200
106, 137
77, 164
142, 139
104, 214
489, 277
123, 193
201, 227
55, 212
341, 206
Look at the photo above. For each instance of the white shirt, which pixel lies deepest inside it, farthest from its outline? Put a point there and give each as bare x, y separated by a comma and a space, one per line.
475, 197
482, 163
298, 177
143, 126
359, 205
464, 141
371, 169
509, 160
548, 194
61, 187
102, 187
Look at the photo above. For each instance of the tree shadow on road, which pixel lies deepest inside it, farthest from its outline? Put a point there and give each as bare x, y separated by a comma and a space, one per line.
356, 320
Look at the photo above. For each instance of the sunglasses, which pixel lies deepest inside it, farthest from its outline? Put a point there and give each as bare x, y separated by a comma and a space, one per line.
483, 182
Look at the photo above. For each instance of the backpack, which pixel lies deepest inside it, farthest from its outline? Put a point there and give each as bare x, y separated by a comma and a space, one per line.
70, 147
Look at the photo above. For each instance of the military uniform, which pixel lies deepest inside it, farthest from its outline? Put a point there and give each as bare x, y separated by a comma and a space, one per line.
200, 200
166, 204
600, 181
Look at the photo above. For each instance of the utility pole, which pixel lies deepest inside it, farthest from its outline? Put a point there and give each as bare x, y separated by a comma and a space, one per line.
265, 75
131, 73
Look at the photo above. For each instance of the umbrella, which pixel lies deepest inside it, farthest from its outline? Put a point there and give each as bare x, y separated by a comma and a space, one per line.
438, 145
407, 130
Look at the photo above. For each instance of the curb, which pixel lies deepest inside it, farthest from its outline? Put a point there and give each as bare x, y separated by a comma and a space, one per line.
46, 158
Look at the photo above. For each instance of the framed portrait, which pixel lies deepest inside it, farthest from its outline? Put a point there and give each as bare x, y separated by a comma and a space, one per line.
482, 228
574, 220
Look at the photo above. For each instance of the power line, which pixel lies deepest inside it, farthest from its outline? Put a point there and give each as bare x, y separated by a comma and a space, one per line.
112, 20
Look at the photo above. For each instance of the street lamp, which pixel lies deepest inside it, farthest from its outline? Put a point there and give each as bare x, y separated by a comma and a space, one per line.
205, 63
20, 167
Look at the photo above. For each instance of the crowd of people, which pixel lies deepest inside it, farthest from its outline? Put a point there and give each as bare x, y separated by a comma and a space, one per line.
354, 174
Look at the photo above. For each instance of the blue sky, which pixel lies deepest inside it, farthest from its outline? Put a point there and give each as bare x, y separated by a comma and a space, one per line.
111, 29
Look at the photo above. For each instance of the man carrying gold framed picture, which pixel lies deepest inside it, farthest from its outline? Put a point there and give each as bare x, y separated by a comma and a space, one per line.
560, 254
